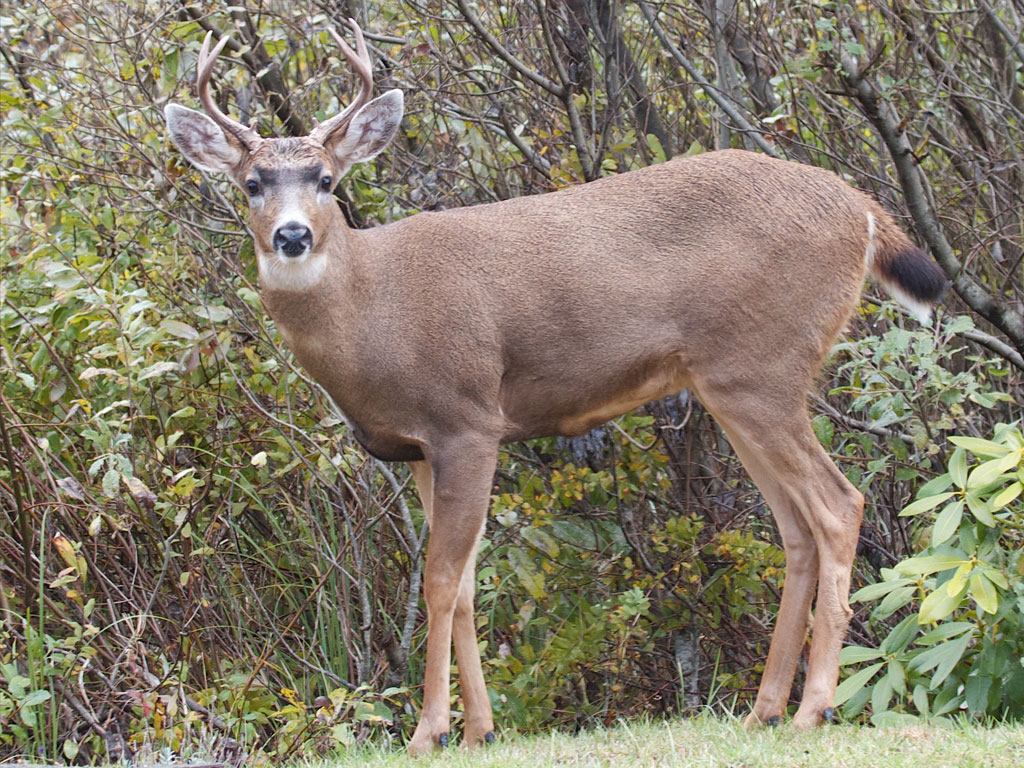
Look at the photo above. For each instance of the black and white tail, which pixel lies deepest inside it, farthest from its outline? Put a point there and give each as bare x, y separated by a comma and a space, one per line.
907, 272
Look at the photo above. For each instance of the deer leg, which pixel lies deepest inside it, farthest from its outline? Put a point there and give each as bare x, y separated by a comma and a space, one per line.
479, 723
790, 631
461, 484
818, 513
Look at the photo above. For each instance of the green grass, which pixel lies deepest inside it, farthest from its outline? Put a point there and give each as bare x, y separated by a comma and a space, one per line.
709, 742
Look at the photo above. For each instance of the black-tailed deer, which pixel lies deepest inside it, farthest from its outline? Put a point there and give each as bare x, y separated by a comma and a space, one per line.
445, 334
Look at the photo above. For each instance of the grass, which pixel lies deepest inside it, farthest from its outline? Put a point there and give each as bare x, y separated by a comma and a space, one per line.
711, 742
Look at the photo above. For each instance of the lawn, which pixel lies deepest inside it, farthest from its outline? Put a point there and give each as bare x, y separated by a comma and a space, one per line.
709, 742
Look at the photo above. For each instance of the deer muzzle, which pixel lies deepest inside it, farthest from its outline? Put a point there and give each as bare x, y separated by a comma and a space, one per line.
293, 239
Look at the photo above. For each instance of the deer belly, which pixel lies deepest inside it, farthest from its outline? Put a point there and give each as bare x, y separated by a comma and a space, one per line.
383, 446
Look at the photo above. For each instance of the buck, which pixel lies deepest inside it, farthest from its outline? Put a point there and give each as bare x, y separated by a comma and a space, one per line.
443, 335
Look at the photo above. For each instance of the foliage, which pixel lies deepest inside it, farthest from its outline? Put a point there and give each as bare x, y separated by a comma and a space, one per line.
195, 556
960, 643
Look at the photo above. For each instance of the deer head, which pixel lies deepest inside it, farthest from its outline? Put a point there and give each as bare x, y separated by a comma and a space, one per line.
289, 181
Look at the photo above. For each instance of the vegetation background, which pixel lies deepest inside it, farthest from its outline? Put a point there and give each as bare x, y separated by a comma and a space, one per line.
196, 558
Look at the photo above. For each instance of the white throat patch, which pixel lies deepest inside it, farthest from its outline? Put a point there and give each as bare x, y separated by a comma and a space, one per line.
291, 273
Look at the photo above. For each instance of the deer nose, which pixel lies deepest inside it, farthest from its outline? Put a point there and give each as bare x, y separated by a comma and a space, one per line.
293, 238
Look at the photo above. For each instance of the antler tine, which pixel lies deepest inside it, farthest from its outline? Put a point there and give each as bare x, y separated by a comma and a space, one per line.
361, 62
207, 59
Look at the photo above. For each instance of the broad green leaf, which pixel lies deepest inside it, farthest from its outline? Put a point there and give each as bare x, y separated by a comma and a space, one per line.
937, 606
164, 366
920, 696
923, 565
989, 471
942, 657
854, 683
895, 600
900, 636
981, 510
954, 652
882, 693
37, 696
944, 632
854, 654
979, 447
179, 329
875, 591
958, 583
976, 693
984, 593
935, 485
1005, 496
996, 577
958, 467
947, 523
923, 505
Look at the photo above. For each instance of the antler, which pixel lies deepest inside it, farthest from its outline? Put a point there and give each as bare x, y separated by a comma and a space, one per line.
249, 138
360, 61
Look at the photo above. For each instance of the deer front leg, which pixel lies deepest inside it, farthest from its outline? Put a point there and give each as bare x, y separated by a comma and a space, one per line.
461, 479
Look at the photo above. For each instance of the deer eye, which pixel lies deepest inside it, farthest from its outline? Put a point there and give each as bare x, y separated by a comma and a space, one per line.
325, 183
253, 187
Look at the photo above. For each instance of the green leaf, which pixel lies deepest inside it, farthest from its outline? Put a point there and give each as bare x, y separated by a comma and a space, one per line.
947, 523
179, 329
937, 606
854, 683
996, 577
935, 485
895, 600
942, 658
38, 696
855, 654
980, 447
923, 505
958, 467
923, 565
988, 472
976, 693
984, 593
920, 696
900, 636
944, 632
1005, 496
954, 652
981, 511
875, 591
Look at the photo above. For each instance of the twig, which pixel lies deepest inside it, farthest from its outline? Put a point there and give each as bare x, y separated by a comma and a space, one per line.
725, 105
883, 117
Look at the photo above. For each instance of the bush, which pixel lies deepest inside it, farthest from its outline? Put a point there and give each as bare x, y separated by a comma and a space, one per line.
960, 643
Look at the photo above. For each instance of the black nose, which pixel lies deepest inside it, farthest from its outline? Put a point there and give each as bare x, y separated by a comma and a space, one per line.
293, 238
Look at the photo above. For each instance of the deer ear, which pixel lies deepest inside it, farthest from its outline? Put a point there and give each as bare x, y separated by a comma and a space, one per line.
202, 141
370, 131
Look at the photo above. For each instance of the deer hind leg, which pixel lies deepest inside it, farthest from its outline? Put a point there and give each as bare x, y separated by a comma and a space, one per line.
818, 513
459, 483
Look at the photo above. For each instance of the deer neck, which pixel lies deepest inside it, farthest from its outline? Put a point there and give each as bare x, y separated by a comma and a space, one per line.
312, 302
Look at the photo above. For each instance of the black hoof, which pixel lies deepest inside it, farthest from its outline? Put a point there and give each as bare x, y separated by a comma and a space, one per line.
443, 740
771, 722
829, 715
489, 737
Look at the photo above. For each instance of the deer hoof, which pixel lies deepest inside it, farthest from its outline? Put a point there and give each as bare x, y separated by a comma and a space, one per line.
443, 740
829, 715
771, 722
489, 737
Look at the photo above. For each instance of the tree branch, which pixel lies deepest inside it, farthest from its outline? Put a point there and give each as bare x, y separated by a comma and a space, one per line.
725, 105
883, 117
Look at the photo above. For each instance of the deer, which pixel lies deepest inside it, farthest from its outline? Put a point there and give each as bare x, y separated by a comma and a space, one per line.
445, 334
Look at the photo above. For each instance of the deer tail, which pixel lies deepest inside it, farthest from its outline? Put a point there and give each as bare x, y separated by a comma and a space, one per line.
907, 272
